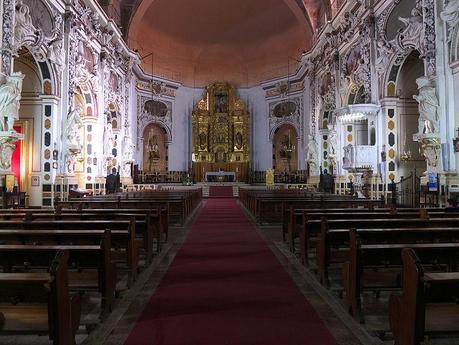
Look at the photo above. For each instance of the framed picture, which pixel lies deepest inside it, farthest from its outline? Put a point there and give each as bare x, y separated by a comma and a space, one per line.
35, 181
456, 144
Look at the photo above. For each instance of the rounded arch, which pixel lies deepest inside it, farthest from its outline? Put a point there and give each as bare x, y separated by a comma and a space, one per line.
32, 84
85, 98
392, 74
143, 5
163, 125
155, 148
276, 128
285, 148
39, 68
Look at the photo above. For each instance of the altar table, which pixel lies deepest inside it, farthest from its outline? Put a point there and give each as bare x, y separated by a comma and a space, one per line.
220, 176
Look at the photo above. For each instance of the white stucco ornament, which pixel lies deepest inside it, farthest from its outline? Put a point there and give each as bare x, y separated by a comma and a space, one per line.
10, 95
108, 139
412, 36
450, 15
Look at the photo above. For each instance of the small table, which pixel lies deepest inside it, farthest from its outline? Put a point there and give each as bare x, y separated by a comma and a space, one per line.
220, 176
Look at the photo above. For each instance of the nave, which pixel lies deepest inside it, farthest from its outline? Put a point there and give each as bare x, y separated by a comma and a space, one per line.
269, 267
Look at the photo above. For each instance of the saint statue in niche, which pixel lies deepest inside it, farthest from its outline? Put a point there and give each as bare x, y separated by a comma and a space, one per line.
238, 141
202, 141
221, 103
428, 107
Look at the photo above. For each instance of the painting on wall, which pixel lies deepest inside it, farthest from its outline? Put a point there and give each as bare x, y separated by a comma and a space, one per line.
155, 108
285, 109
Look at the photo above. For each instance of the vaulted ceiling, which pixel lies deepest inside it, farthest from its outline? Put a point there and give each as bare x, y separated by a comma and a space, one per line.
244, 42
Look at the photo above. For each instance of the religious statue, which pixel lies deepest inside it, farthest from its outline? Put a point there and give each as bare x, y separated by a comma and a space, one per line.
238, 141
24, 30
72, 129
413, 33
221, 103
10, 95
70, 162
450, 15
202, 141
332, 140
428, 104
128, 154
108, 138
128, 149
313, 155
55, 53
348, 159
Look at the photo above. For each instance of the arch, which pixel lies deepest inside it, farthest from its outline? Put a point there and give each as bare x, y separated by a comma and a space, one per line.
297, 8
392, 73
454, 47
87, 100
276, 127
154, 148
407, 119
160, 123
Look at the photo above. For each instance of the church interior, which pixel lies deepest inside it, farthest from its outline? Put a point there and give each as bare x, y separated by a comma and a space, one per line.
249, 172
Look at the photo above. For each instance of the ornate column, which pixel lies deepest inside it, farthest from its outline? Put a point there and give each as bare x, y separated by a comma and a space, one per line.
7, 36
10, 84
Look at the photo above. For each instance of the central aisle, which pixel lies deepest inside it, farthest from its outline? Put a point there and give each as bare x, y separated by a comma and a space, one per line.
225, 287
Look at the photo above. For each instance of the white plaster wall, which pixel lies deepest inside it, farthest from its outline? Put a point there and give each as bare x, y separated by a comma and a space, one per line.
180, 147
261, 145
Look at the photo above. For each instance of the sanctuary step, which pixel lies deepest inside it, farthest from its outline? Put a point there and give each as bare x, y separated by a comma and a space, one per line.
235, 186
221, 192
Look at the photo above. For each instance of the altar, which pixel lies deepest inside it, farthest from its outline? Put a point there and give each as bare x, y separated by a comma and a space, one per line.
220, 176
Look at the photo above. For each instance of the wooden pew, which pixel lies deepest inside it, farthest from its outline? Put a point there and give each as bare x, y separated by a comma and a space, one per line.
335, 234
152, 225
156, 220
412, 315
84, 257
294, 218
311, 223
83, 232
43, 303
378, 265
178, 205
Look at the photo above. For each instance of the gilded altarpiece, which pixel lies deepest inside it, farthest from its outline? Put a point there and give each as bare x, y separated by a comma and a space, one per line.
221, 133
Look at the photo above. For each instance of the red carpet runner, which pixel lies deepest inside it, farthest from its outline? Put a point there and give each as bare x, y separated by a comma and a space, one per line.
220, 191
225, 287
